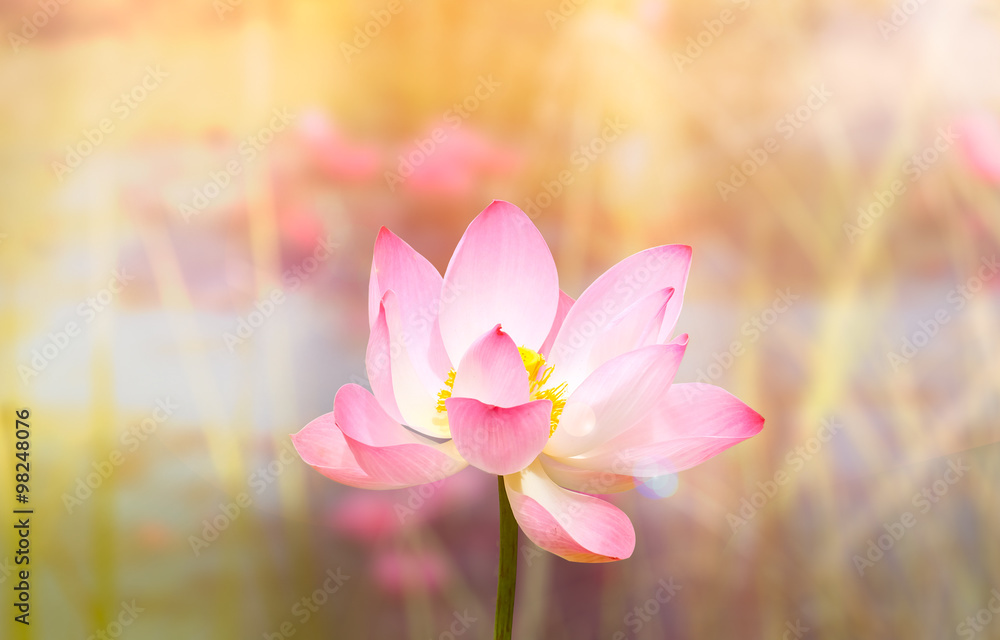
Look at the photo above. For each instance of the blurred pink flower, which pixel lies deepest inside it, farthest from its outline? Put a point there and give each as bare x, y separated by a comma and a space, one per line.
584, 406
337, 157
301, 230
980, 142
457, 164
397, 572
365, 518
371, 518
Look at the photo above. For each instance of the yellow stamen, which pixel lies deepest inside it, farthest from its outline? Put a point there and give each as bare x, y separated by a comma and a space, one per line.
538, 378
445, 393
554, 394
533, 362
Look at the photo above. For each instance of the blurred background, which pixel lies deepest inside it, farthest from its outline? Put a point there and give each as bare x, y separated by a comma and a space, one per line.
190, 194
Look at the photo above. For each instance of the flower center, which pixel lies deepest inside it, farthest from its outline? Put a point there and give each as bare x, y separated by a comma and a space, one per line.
538, 377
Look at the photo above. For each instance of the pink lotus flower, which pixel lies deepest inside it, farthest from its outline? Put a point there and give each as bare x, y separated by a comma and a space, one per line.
493, 366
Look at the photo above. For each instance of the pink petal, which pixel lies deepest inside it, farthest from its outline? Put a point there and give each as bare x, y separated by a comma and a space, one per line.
583, 480
378, 363
396, 266
414, 388
499, 440
619, 394
492, 371
632, 279
637, 326
374, 291
565, 304
693, 423
386, 450
681, 340
322, 445
577, 527
501, 272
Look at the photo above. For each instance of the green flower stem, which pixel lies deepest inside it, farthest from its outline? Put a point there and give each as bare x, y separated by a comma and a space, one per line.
507, 576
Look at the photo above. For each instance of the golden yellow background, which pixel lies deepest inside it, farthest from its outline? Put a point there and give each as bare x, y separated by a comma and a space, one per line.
815, 109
